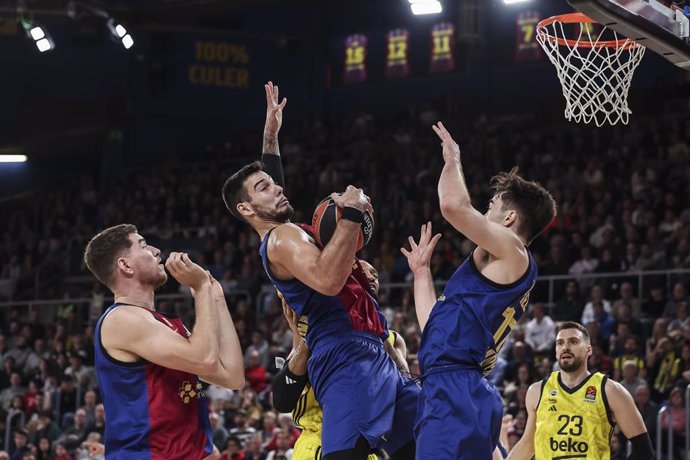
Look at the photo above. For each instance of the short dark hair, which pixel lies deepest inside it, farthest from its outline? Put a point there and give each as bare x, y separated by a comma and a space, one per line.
104, 249
234, 191
574, 325
535, 204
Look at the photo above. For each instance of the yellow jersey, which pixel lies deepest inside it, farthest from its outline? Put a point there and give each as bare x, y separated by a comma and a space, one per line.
573, 422
308, 415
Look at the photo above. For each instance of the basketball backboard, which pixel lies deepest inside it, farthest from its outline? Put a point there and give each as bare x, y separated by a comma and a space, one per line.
661, 28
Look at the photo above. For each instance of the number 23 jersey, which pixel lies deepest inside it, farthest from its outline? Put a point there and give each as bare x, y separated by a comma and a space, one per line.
573, 422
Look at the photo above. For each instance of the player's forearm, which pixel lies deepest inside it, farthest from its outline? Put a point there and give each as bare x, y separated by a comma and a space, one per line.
523, 450
270, 144
298, 362
452, 190
204, 338
230, 371
424, 295
334, 264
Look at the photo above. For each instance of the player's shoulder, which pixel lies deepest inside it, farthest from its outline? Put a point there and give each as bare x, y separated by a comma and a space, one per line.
287, 233
125, 316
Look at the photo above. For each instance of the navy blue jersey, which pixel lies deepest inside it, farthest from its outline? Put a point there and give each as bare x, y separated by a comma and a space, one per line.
471, 321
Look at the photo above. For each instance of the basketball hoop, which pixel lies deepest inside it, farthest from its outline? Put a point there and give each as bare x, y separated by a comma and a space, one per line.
595, 68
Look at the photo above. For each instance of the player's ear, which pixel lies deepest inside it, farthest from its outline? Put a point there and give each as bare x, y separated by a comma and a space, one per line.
510, 218
245, 209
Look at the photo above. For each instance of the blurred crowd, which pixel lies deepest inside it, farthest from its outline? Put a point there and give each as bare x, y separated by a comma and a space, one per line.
623, 208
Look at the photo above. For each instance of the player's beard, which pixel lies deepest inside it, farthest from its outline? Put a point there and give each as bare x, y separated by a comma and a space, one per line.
280, 215
575, 364
158, 279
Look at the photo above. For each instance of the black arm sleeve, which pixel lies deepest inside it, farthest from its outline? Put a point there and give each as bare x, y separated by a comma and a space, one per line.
641, 447
273, 165
287, 388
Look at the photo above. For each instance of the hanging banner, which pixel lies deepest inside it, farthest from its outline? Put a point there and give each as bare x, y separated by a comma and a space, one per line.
526, 46
355, 59
398, 48
442, 47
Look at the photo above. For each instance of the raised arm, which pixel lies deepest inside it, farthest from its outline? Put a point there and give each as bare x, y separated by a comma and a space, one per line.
524, 449
130, 333
229, 372
457, 209
293, 255
270, 152
419, 258
628, 418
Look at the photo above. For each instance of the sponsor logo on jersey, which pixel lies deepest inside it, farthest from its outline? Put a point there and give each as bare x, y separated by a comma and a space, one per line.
590, 394
570, 446
553, 393
189, 391
553, 409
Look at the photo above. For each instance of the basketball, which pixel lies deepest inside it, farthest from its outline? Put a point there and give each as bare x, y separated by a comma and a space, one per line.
326, 217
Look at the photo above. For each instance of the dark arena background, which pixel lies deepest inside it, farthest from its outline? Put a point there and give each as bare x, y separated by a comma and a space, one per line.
146, 129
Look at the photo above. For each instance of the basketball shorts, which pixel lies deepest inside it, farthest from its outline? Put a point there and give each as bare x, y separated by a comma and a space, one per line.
362, 394
460, 415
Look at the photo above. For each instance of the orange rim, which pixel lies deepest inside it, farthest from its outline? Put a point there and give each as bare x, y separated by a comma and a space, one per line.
574, 18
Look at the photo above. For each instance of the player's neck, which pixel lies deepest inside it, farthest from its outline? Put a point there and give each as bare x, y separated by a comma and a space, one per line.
573, 379
136, 295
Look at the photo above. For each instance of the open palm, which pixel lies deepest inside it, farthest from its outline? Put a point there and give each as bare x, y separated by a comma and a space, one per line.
419, 255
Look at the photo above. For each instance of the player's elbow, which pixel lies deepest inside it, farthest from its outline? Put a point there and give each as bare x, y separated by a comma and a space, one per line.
208, 365
451, 207
332, 286
234, 381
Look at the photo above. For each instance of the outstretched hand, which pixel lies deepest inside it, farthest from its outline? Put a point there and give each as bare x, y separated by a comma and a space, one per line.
274, 110
451, 149
419, 255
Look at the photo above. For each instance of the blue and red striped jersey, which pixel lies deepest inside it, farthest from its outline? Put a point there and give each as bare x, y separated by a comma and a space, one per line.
331, 317
152, 412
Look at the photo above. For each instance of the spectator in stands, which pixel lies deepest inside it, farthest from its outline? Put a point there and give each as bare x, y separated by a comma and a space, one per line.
260, 346
98, 424
596, 297
627, 297
243, 430
220, 434
46, 427
586, 264
15, 389
631, 379
599, 361
540, 331
21, 444
654, 305
253, 448
283, 451
233, 449
255, 372
676, 406
680, 320
665, 365
678, 294
43, 450
630, 353
648, 408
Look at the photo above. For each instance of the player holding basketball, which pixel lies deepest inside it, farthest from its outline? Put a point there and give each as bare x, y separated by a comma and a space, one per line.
148, 362
466, 327
358, 386
571, 413
293, 393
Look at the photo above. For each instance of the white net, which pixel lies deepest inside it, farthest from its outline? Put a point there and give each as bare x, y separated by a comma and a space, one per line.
595, 68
